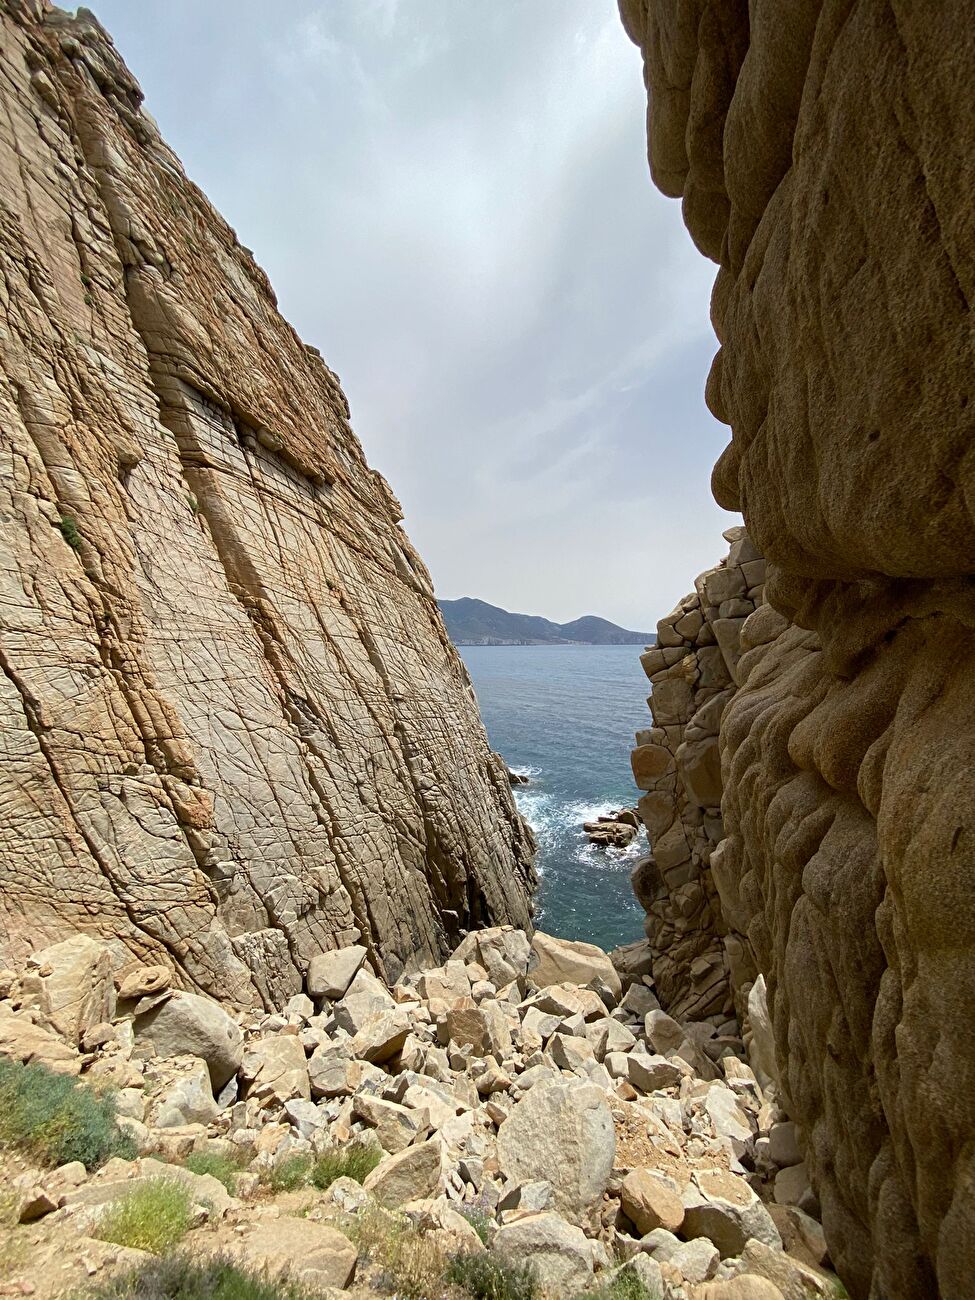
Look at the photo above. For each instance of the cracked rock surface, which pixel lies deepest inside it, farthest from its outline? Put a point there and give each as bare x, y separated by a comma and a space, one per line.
233, 733
823, 154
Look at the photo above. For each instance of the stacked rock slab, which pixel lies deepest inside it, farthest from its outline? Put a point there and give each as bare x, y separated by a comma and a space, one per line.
233, 733
678, 765
825, 156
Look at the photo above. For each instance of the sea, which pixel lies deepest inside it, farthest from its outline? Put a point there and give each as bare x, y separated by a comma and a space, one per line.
564, 716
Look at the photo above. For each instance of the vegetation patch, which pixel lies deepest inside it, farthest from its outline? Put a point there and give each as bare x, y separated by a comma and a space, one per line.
355, 1161
69, 531
625, 1286
180, 1277
223, 1168
154, 1217
410, 1263
488, 1277
480, 1221
55, 1119
288, 1175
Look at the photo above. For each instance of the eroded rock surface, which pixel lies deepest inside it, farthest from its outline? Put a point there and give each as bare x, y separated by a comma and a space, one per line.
825, 159
233, 733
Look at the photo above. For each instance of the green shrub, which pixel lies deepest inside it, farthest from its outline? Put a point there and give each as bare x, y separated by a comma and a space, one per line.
69, 531
223, 1168
625, 1286
179, 1277
154, 1217
486, 1277
356, 1161
55, 1119
289, 1174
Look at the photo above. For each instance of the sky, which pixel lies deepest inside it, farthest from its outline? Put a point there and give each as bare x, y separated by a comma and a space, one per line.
453, 204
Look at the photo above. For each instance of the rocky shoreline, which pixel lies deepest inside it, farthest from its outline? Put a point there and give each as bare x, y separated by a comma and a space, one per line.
527, 1087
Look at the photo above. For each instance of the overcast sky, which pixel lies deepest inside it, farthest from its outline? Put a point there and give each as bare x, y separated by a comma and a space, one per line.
452, 202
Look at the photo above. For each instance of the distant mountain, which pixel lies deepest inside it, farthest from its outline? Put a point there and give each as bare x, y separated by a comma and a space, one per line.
475, 622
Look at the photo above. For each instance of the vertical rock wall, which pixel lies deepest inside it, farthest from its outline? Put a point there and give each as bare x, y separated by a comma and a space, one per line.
233, 732
678, 765
824, 151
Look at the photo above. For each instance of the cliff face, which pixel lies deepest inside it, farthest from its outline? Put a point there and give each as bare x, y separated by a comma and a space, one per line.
824, 156
696, 964
232, 728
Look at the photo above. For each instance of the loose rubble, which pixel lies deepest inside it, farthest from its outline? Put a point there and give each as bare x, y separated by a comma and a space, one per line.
524, 1082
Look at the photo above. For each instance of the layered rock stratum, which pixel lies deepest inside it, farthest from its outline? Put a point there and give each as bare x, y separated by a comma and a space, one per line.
824, 156
233, 732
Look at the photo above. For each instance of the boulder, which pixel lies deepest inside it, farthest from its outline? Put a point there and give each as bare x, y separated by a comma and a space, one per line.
561, 1132
276, 1067
396, 1126
71, 985
651, 1073
560, 1254
188, 1100
24, 1041
567, 961
329, 1071
743, 1287
503, 953
483, 1026
312, 1254
382, 1035
722, 1207
189, 1025
663, 1033
366, 996
410, 1175
649, 1201
796, 1281
330, 973
143, 982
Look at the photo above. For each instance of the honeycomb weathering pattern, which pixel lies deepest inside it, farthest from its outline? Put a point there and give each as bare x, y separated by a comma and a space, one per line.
824, 151
234, 732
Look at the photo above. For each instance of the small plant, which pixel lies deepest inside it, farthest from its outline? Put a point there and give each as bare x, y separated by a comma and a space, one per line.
55, 1119
180, 1277
291, 1173
154, 1217
193, 503
487, 1277
355, 1161
479, 1219
625, 1286
89, 300
69, 531
223, 1168
411, 1264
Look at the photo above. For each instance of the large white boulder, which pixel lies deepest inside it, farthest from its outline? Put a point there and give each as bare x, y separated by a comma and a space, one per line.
561, 1132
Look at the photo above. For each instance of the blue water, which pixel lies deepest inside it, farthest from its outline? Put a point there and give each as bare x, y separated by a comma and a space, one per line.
565, 716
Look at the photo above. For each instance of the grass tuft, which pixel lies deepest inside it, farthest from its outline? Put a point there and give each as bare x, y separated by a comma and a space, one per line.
355, 1161
55, 1119
410, 1263
288, 1175
180, 1277
625, 1286
154, 1217
223, 1168
486, 1277
69, 531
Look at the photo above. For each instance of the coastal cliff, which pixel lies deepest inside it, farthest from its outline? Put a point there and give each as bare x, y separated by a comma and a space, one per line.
824, 160
233, 731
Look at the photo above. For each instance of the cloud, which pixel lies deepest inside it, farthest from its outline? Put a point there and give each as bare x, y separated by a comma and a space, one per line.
453, 202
